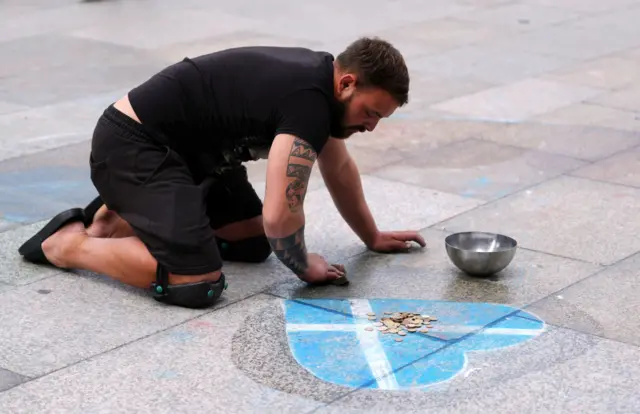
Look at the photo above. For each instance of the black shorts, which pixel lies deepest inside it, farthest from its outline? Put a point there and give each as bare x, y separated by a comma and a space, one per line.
172, 208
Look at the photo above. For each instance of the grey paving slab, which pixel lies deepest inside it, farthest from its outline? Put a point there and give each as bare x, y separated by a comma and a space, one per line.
626, 99
558, 371
428, 89
54, 50
429, 274
6, 107
568, 216
615, 22
517, 101
15, 270
6, 225
393, 207
37, 19
67, 318
478, 169
575, 140
52, 126
313, 22
569, 41
146, 28
584, 114
46, 86
632, 54
521, 16
592, 6
39, 186
406, 136
436, 36
201, 365
10, 379
371, 159
5, 286
601, 305
610, 72
622, 169
487, 63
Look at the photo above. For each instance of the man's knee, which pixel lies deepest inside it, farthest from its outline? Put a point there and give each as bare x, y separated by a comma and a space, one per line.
250, 250
189, 291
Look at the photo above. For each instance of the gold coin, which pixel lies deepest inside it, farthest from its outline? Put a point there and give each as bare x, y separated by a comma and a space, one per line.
371, 313
372, 318
423, 330
402, 333
388, 322
378, 324
387, 313
394, 330
433, 318
412, 330
429, 326
382, 328
398, 339
368, 328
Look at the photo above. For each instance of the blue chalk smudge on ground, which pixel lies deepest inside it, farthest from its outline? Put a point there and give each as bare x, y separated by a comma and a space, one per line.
39, 193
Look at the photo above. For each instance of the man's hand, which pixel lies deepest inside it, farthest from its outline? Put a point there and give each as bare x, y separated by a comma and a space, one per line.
395, 241
319, 271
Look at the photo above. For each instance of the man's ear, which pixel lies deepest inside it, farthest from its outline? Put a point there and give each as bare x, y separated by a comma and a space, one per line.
347, 83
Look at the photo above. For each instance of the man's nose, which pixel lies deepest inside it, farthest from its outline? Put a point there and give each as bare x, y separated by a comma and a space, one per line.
371, 125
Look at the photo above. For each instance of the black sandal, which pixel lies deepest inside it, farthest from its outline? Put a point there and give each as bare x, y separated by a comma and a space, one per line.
31, 250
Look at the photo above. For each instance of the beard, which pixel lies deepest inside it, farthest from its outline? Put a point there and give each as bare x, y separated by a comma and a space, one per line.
339, 127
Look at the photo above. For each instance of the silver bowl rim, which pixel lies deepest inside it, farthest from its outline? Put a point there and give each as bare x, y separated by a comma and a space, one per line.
448, 238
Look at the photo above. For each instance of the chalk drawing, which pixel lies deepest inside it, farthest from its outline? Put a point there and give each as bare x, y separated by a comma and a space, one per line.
40, 193
328, 338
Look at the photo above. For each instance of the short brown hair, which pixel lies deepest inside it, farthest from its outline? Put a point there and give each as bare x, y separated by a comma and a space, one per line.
377, 63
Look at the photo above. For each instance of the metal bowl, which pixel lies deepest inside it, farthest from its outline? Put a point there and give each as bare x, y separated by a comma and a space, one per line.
480, 254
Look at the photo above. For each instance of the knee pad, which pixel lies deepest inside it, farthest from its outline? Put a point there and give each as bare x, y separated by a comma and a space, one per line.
189, 295
250, 250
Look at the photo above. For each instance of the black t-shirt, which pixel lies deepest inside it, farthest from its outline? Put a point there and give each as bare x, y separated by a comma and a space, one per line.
236, 101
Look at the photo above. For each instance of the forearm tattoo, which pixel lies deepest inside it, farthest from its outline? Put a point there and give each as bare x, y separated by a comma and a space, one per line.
297, 189
291, 250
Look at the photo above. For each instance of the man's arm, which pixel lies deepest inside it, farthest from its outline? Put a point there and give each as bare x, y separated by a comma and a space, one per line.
341, 175
288, 170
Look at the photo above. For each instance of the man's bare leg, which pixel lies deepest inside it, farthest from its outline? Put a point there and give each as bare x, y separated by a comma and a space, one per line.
125, 259
243, 229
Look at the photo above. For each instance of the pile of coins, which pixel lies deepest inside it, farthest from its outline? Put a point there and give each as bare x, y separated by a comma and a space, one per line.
401, 323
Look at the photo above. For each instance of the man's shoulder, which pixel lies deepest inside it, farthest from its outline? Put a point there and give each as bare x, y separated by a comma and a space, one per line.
277, 56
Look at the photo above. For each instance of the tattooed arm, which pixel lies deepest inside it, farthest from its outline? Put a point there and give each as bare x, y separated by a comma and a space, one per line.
288, 170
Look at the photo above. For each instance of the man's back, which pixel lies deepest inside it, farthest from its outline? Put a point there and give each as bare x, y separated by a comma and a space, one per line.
236, 96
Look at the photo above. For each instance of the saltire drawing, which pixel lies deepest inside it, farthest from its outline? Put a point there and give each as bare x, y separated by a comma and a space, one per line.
328, 338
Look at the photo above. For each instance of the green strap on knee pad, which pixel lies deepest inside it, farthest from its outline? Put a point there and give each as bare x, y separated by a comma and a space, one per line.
189, 295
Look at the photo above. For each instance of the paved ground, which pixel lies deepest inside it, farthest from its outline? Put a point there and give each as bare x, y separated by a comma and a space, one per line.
525, 120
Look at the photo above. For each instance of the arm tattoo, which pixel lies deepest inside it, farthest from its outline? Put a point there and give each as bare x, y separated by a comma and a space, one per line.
291, 250
301, 149
297, 189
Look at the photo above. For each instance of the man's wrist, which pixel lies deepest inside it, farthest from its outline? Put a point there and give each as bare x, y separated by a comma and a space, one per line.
370, 238
291, 250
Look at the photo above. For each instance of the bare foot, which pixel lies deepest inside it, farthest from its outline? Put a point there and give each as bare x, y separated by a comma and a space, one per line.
108, 224
60, 246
